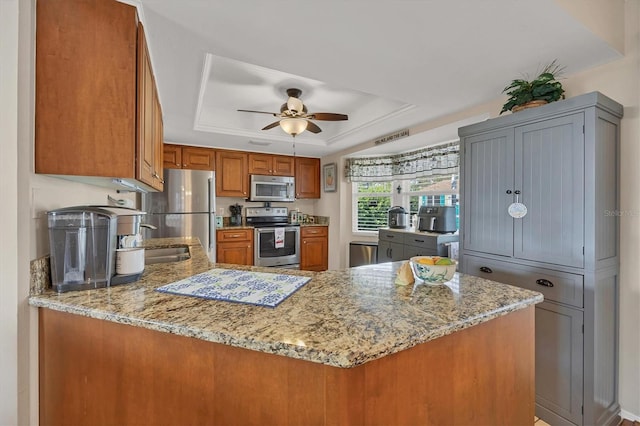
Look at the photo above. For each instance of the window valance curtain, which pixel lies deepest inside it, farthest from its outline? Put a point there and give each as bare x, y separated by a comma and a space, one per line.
434, 160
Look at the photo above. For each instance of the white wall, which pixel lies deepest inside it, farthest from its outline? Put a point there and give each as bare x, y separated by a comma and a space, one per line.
619, 80
9, 211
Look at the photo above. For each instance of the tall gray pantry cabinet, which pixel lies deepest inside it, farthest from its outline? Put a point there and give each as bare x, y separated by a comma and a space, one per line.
562, 162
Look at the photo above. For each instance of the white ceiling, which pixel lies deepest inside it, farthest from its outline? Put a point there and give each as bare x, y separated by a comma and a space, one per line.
389, 65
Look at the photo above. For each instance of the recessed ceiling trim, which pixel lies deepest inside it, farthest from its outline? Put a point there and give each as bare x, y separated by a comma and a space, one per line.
340, 136
255, 134
206, 69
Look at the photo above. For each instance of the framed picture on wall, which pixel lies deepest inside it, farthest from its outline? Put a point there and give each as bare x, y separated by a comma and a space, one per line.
329, 177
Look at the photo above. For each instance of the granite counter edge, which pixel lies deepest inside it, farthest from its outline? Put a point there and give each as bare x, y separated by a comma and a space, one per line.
337, 359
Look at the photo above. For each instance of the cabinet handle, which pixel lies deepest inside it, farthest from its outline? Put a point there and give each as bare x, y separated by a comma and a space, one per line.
544, 282
486, 269
419, 241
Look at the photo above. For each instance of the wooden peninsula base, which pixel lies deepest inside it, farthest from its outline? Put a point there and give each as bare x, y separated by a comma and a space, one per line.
103, 373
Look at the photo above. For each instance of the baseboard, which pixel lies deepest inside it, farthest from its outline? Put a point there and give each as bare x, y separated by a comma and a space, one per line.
629, 416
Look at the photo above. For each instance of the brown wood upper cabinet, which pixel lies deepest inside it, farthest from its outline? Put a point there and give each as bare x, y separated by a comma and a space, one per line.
189, 157
307, 177
232, 174
94, 84
267, 164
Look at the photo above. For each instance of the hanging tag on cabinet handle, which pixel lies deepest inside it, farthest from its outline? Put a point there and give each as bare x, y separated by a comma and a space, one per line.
517, 210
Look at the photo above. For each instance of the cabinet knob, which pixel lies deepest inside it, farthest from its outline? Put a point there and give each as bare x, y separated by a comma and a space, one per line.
508, 191
184, 165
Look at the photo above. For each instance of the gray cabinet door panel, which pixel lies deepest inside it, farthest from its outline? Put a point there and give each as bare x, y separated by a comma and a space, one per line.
390, 252
559, 360
488, 174
549, 172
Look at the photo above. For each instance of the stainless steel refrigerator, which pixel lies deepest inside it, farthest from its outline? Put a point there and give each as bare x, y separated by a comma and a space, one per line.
186, 208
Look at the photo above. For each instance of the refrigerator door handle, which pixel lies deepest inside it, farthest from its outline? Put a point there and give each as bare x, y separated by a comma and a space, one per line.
212, 215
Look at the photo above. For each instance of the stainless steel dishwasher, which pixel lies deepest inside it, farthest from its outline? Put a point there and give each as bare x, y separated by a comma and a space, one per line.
363, 253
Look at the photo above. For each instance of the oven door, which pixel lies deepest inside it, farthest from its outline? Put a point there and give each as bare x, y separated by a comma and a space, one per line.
285, 253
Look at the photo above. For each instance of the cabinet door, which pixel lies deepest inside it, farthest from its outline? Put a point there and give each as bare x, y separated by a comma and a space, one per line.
307, 177
158, 140
172, 156
559, 360
260, 164
488, 175
85, 88
231, 174
314, 254
196, 158
239, 253
146, 160
283, 165
550, 174
390, 252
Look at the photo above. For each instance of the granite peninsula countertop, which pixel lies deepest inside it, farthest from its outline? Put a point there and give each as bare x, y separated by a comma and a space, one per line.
341, 318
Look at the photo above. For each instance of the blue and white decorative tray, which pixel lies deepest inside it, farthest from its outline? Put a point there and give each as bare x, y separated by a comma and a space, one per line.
256, 288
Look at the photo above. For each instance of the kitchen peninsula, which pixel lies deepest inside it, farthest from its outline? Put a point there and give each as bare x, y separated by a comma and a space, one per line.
349, 347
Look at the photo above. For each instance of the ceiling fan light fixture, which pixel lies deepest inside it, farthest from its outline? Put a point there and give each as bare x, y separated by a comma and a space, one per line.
293, 126
294, 104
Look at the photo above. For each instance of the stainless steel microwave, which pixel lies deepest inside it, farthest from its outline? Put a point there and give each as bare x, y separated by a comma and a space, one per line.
272, 188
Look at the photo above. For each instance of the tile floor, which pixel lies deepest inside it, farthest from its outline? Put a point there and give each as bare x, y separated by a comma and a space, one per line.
539, 422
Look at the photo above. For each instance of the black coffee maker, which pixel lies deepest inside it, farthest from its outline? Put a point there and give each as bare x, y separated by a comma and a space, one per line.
236, 215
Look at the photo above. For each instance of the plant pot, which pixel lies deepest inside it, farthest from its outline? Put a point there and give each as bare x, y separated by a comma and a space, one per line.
530, 104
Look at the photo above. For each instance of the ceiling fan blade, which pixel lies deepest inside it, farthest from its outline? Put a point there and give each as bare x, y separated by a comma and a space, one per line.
272, 125
328, 116
312, 127
259, 112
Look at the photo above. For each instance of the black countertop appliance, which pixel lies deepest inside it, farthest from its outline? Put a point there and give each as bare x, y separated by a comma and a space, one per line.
437, 219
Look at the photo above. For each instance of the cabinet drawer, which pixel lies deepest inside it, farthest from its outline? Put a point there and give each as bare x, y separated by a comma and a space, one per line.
394, 236
313, 231
235, 235
554, 285
427, 242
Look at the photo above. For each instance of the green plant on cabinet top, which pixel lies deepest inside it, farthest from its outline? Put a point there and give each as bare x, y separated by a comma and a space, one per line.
544, 88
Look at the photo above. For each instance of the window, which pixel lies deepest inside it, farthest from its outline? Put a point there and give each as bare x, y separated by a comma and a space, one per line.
441, 190
372, 200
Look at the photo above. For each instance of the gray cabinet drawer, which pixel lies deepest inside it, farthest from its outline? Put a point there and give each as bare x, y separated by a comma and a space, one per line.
554, 285
421, 241
396, 237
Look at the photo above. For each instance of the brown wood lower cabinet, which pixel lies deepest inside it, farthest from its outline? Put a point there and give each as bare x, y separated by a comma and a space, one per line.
314, 248
96, 372
234, 246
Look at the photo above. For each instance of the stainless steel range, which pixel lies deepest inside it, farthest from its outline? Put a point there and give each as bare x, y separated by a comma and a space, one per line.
276, 242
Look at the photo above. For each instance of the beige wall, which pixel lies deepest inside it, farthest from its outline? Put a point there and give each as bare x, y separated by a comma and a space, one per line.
618, 80
9, 265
